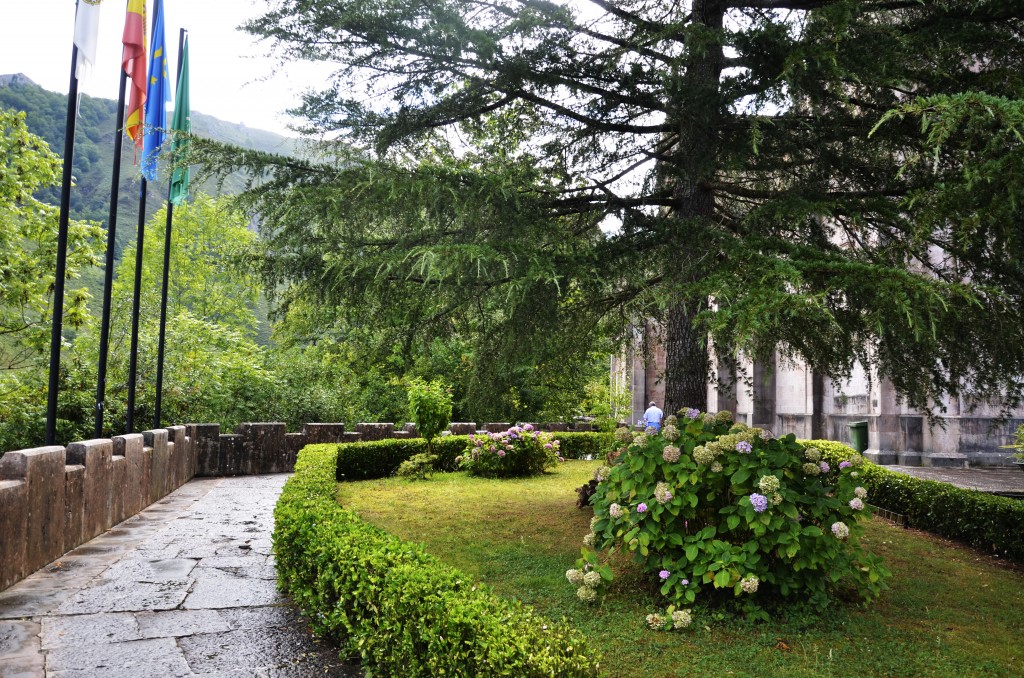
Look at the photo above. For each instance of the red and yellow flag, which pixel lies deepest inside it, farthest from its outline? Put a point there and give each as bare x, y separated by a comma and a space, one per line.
133, 60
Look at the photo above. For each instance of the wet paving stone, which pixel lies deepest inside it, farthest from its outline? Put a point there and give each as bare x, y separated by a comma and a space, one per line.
89, 629
186, 588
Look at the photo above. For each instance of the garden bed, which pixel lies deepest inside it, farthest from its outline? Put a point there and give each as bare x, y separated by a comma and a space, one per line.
949, 611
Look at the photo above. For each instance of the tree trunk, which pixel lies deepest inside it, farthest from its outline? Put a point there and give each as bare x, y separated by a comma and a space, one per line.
686, 361
697, 115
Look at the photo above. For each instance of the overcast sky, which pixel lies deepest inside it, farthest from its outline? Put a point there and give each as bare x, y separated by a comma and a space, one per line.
230, 78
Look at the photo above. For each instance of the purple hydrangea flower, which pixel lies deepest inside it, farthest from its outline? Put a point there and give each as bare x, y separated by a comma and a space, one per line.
744, 447
824, 467
692, 413
664, 574
501, 453
759, 502
547, 446
844, 464
641, 507
685, 582
528, 427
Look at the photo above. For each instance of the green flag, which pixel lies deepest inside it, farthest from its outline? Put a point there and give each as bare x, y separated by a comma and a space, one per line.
182, 126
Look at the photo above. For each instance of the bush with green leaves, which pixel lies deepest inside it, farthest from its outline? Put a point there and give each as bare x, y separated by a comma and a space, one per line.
981, 520
519, 451
711, 508
417, 467
399, 609
430, 406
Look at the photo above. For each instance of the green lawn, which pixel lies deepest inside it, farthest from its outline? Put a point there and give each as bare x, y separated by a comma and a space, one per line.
949, 612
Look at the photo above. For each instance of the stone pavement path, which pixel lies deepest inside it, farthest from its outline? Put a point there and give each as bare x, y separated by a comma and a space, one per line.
185, 588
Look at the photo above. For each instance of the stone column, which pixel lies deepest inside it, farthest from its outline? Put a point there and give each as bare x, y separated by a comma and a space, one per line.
764, 394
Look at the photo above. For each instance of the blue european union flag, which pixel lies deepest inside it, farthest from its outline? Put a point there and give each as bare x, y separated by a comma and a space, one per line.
158, 95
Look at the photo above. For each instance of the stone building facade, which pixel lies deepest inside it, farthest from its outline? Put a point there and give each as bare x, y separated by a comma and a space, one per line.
787, 397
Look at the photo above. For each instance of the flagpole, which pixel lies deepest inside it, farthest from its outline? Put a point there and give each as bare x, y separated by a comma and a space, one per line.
108, 273
133, 356
167, 264
56, 329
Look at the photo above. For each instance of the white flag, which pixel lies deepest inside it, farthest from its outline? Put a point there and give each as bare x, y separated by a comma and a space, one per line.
87, 25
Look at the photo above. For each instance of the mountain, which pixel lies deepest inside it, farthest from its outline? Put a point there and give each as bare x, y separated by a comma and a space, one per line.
94, 152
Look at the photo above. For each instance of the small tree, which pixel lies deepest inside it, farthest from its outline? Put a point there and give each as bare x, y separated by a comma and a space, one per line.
430, 404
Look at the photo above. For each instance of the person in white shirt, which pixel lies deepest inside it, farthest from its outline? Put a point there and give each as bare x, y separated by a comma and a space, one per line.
653, 416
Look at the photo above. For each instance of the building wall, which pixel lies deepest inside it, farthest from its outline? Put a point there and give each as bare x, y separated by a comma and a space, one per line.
779, 395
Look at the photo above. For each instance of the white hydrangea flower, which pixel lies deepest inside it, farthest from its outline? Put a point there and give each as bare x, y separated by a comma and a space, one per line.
768, 484
716, 467
574, 576
586, 594
681, 619
655, 622
592, 579
750, 584
860, 493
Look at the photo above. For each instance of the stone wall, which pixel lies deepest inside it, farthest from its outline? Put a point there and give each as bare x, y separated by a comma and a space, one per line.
53, 499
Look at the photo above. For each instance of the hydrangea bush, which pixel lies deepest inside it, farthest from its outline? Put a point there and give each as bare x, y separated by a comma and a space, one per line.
710, 507
519, 451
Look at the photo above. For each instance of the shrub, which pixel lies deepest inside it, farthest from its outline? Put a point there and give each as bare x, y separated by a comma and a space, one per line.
583, 445
381, 458
708, 506
519, 451
395, 606
987, 522
417, 467
430, 405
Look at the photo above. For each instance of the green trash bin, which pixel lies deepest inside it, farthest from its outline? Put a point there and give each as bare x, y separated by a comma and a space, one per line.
859, 435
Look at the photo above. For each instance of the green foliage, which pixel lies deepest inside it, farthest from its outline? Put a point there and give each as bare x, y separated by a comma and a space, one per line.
707, 508
984, 521
745, 131
519, 451
381, 458
94, 154
28, 250
417, 467
399, 609
430, 406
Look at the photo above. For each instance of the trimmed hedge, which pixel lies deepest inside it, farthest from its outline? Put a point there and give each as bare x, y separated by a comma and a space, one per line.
381, 458
402, 611
985, 521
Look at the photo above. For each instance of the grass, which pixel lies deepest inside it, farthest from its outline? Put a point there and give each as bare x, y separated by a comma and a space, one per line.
949, 612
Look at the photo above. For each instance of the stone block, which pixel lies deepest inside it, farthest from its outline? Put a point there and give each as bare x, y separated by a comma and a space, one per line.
580, 426
179, 456
96, 457
265, 450
156, 440
411, 429
497, 426
462, 428
352, 437
42, 469
400, 434
119, 476
293, 442
13, 526
206, 439
230, 459
323, 433
136, 482
375, 431
74, 506
556, 426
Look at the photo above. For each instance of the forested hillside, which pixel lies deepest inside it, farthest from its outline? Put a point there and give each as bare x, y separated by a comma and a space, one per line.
94, 151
